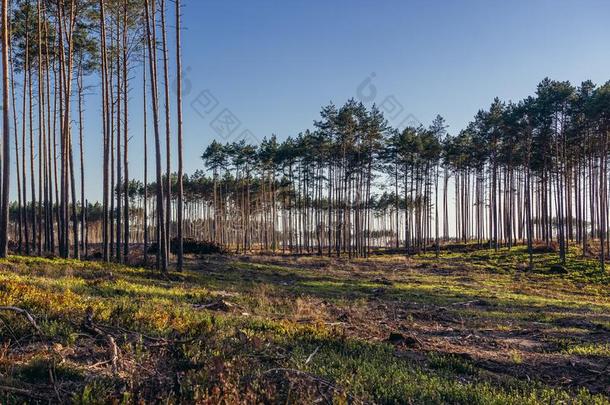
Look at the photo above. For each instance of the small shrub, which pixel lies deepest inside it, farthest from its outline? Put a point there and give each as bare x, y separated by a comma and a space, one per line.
451, 363
516, 357
552, 247
557, 269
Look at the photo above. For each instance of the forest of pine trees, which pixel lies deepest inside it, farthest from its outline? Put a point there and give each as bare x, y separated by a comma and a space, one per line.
527, 172
520, 172
52, 49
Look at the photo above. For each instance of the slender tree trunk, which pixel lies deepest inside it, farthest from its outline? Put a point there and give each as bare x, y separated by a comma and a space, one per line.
151, 41
126, 226
119, 167
145, 109
106, 130
20, 202
168, 149
180, 157
83, 223
6, 160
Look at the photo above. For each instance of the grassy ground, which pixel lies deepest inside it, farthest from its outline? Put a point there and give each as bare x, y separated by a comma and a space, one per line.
468, 327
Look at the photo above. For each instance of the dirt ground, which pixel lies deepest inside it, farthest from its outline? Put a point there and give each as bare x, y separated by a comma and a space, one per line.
531, 326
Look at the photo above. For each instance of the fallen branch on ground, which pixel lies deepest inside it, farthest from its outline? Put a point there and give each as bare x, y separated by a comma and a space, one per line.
218, 305
26, 314
114, 349
19, 391
311, 355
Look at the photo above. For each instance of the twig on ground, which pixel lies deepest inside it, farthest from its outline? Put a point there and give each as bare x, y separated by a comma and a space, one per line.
334, 323
118, 330
19, 391
26, 314
54, 382
99, 363
465, 303
311, 355
114, 349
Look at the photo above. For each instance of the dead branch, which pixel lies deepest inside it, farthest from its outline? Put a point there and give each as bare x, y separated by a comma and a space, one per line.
26, 314
311, 355
15, 390
334, 323
19, 391
114, 349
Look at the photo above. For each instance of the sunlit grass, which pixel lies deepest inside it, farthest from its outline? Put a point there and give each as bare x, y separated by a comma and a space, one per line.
590, 350
265, 330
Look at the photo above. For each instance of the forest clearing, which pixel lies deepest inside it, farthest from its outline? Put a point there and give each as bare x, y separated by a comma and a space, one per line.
473, 326
344, 202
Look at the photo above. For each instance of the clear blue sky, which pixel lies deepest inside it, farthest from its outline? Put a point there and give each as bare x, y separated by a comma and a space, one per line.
273, 64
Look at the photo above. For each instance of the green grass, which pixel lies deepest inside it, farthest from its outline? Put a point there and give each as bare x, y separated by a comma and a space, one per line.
590, 350
580, 269
228, 356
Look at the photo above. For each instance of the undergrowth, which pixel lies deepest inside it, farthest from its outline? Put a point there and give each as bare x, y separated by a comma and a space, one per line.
174, 348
